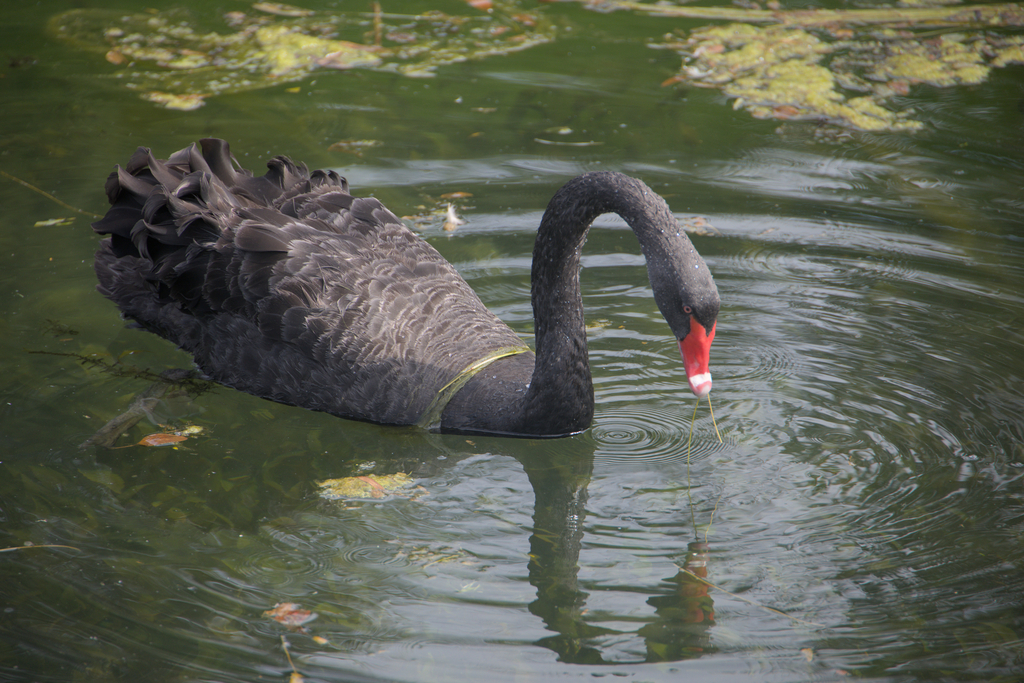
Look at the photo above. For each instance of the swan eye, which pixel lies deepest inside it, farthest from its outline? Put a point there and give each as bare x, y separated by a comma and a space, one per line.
687, 309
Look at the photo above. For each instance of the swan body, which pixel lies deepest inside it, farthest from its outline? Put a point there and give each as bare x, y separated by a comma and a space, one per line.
288, 287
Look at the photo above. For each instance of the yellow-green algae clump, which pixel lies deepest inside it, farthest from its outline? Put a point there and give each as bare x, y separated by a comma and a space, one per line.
835, 74
172, 61
370, 486
942, 62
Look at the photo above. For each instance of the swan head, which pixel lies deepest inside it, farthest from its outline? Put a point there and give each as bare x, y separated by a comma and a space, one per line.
688, 298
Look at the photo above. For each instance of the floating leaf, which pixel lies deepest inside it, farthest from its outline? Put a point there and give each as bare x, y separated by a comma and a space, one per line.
161, 439
116, 57
375, 486
290, 614
167, 438
53, 222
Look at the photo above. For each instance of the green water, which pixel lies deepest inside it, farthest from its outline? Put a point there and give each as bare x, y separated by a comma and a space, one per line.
869, 389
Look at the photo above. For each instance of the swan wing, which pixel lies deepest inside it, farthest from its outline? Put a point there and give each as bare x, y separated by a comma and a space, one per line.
288, 287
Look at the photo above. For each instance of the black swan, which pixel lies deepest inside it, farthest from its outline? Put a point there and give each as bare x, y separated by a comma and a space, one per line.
288, 287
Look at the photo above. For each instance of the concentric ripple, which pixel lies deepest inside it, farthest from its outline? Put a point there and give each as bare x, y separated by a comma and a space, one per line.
652, 433
278, 568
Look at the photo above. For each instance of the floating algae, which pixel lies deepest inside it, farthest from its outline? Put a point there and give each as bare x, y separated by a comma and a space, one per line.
942, 62
846, 67
835, 74
369, 486
172, 62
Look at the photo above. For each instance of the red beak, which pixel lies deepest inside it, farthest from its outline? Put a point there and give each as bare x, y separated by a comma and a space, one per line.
695, 349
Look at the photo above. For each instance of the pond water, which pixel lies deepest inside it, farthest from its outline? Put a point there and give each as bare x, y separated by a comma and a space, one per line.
861, 517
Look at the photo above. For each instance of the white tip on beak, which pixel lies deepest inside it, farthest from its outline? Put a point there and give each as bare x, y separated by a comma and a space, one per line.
700, 385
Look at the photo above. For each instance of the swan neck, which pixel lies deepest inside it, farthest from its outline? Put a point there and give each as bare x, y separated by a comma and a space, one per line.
562, 379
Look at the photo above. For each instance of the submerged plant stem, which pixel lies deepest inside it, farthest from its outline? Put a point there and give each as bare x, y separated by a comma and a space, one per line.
48, 195
284, 646
713, 420
711, 521
689, 445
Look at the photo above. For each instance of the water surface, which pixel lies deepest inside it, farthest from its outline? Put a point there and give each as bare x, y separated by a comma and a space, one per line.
864, 510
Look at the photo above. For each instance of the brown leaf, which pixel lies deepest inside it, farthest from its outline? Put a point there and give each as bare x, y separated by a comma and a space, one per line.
785, 111
899, 87
161, 439
290, 614
378, 490
375, 486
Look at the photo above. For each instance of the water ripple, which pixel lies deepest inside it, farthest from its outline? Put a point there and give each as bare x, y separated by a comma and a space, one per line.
652, 433
278, 569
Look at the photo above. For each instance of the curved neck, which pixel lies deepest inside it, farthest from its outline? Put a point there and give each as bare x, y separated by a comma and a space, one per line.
561, 393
